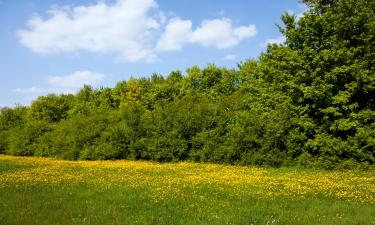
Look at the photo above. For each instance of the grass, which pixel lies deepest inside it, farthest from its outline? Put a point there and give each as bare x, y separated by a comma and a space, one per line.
49, 191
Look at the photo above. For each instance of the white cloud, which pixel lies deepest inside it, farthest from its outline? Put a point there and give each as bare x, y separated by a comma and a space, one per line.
66, 84
76, 79
132, 30
30, 90
35, 91
125, 28
218, 33
177, 33
230, 57
278, 40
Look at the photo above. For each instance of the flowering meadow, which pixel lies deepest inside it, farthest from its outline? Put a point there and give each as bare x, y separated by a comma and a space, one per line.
137, 192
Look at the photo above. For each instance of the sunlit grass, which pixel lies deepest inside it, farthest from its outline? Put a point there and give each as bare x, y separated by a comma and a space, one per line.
180, 193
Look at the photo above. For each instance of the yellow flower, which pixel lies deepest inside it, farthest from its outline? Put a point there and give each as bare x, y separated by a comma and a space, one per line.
172, 179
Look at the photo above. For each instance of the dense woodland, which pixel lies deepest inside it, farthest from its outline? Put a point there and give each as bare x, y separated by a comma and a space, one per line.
308, 102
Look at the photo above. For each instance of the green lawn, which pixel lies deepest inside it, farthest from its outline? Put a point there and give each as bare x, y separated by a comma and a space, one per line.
46, 191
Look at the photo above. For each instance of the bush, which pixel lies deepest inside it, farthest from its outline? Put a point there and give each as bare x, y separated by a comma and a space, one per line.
23, 140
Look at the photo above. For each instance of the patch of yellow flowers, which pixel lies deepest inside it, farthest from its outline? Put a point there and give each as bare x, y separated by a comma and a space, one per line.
174, 180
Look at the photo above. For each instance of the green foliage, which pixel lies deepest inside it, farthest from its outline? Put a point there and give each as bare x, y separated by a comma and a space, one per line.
23, 140
308, 102
10, 118
81, 135
51, 108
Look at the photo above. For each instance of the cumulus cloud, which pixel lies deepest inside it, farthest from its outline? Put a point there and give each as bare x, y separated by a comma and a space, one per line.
132, 30
125, 28
220, 33
76, 79
217, 33
177, 33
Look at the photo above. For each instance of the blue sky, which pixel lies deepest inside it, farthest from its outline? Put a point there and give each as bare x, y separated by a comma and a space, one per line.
57, 46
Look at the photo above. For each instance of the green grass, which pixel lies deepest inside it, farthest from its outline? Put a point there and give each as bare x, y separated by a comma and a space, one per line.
88, 203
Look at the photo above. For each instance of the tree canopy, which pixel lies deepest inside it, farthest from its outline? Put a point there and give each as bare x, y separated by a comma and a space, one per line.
309, 101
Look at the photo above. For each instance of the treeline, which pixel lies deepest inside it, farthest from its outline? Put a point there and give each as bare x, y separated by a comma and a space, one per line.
307, 102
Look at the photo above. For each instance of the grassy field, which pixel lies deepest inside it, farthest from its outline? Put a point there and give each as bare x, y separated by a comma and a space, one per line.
48, 191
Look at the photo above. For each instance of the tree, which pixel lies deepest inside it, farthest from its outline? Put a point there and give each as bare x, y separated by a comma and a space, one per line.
309, 101
336, 40
51, 108
10, 118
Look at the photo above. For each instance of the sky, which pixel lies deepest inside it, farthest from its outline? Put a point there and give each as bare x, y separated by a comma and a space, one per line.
57, 46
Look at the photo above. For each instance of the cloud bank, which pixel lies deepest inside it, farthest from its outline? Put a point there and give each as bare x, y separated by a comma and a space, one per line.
124, 28
132, 30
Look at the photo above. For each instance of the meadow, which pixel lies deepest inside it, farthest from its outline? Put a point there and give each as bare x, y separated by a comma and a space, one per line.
49, 191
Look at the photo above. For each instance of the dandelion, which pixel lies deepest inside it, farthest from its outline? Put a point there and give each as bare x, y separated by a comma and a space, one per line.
170, 180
